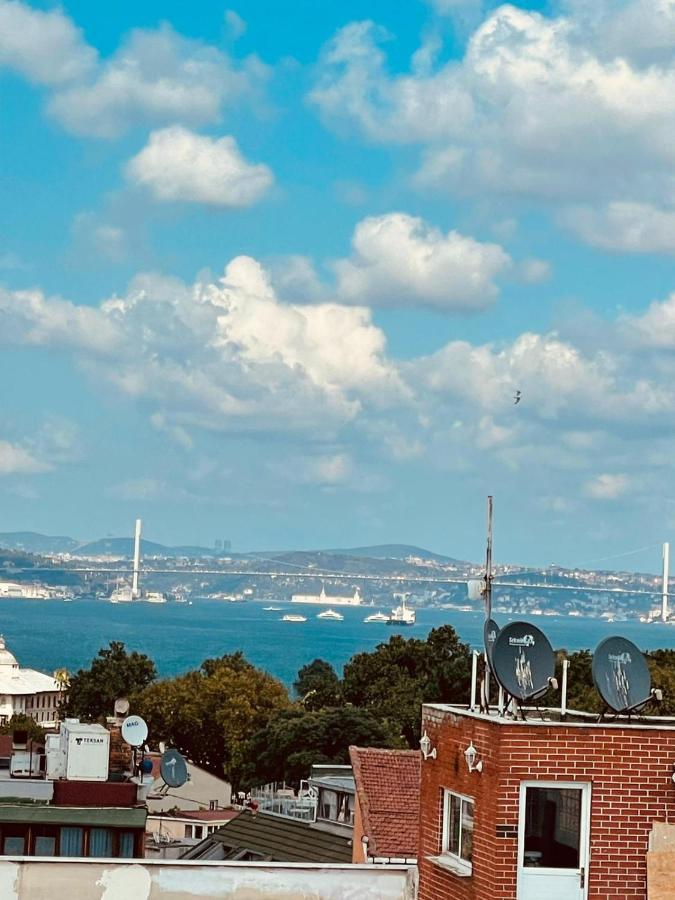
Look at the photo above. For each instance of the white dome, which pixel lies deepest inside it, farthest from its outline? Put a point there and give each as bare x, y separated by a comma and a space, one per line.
6, 657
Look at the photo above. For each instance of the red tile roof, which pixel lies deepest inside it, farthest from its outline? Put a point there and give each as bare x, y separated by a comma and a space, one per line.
388, 791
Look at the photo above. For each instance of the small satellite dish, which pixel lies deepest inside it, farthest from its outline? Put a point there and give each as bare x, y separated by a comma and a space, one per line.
173, 768
121, 706
490, 634
523, 661
134, 731
621, 675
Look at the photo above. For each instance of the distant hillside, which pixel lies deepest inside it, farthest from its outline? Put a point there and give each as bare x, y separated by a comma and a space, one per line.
378, 551
32, 542
125, 547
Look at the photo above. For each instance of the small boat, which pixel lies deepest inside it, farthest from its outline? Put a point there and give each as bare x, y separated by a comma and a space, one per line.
154, 597
271, 609
291, 618
330, 614
377, 617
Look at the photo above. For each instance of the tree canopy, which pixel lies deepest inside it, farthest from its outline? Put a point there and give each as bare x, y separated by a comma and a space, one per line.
211, 713
318, 686
395, 679
296, 739
113, 673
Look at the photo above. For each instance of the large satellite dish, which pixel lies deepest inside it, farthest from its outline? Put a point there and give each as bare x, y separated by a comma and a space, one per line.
134, 731
490, 634
173, 769
621, 675
523, 661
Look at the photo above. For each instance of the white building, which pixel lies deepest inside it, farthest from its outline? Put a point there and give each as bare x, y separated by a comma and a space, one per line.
27, 692
323, 599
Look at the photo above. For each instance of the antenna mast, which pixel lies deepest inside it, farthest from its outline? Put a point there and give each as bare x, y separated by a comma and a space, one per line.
664, 600
135, 593
488, 562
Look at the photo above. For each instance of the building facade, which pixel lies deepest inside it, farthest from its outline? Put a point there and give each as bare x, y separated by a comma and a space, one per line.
525, 810
25, 692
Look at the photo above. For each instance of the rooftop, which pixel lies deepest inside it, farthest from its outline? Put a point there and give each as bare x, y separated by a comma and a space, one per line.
275, 838
388, 791
548, 717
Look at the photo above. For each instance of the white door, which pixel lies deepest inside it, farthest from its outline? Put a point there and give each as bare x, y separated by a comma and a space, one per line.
553, 836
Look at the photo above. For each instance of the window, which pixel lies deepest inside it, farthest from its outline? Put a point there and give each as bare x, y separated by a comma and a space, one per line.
126, 844
198, 831
552, 827
458, 827
71, 841
100, 842
213, 804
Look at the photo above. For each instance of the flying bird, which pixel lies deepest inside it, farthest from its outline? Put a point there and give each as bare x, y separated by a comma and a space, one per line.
516, 399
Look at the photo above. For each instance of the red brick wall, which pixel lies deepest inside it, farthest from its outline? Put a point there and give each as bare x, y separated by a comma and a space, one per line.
95, 793
630, 774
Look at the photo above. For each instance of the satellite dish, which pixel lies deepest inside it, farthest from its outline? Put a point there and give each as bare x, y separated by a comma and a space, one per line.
134, 731
490, 634
173, 768
121, 706
523, 661
621, 675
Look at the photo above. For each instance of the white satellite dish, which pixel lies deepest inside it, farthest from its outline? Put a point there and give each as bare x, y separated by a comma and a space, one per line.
134, 731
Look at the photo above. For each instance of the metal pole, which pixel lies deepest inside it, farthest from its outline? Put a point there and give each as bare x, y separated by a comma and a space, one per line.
488, 562
563, 701
474, 676
664, 600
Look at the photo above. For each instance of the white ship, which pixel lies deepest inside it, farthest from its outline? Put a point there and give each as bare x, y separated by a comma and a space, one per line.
323, 599
122, 594
154, 597
291, 618
271, 609
330, 614
401, 615
377, 617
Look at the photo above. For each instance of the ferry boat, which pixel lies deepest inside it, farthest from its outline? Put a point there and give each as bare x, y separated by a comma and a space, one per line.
154, 597
377, 617
401, 615
330, 614
291, 618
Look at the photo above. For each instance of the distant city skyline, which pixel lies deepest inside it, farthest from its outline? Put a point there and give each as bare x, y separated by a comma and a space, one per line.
326, 277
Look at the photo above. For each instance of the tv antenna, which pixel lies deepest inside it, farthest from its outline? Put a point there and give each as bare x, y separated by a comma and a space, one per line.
134, 731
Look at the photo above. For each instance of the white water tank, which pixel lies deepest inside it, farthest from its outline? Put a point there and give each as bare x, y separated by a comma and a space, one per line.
87, 751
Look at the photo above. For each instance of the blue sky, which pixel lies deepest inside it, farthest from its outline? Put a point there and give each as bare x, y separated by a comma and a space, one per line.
274, 274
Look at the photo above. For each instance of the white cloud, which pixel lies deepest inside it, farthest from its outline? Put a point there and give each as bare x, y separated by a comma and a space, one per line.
44, 47
236, 26
624, 226
535, 108
606, 486
329, 470
177, 164
399, 260
16, 460
155, 78
655, 328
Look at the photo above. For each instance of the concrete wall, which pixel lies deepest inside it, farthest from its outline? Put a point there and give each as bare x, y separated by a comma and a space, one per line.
23, 879
661, 862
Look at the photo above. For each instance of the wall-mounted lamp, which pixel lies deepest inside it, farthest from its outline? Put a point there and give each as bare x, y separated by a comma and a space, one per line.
425, 747
471, 755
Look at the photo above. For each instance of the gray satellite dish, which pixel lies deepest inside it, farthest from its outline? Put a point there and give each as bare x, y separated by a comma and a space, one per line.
621, 676
523, 661
490, 635
173, 769
134, 731
121, 706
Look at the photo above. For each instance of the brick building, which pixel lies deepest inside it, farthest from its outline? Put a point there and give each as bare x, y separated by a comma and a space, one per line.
560, 810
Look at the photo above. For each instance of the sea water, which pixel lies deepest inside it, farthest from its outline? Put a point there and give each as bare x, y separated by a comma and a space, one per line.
47, 635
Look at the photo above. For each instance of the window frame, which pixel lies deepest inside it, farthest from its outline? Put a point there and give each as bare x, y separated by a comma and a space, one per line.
457, 858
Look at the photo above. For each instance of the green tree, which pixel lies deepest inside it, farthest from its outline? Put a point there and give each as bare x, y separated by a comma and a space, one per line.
318, 686
394, 680
210, 714
91, 693
24, 723
294, 740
